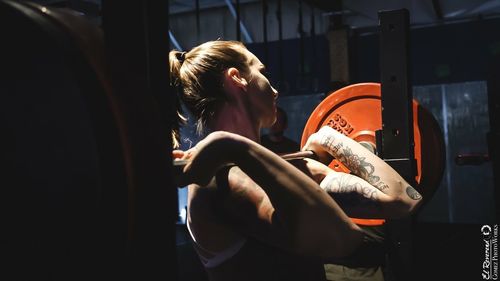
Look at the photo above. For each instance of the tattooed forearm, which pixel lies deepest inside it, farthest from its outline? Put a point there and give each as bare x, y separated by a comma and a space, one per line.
413, 194
358, 165
327, 140
343, 184
360, 199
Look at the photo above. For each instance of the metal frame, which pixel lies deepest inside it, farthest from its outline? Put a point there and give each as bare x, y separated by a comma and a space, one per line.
243, 29
397, 119
395, 140
136, 37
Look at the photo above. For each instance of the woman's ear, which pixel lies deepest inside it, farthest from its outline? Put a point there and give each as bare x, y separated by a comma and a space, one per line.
233, 77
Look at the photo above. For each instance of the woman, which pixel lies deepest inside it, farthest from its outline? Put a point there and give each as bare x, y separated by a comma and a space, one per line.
251, 214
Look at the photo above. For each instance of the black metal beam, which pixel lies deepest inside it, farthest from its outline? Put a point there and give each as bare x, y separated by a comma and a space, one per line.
264, 30
313, 45
300, 29
336, 19
330, 6
397, 128
396, 136
198, 26
436, 5
238, 28
279, 13
136, 36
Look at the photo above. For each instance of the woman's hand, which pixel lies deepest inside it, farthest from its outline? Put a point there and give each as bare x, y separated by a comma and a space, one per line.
178, 155
207, 156
181, 158
314, 169
316, 143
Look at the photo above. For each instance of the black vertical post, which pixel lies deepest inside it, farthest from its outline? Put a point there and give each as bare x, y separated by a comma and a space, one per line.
238, 28
198, 26
336, 19
264, 30
136, 36
159, 203
339, 45
313, 54
279, 14
397, 147
301, 45
397, 117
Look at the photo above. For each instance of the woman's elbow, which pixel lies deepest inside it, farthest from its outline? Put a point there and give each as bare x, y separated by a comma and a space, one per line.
403, 205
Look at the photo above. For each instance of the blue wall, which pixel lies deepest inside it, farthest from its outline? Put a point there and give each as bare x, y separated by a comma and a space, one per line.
316, 65
439, 54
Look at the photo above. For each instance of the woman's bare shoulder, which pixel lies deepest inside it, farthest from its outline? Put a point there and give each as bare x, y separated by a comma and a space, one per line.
211, 231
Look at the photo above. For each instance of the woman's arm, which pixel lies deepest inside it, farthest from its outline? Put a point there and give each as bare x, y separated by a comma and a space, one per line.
355, 196
367, 166
359, 199
291, 208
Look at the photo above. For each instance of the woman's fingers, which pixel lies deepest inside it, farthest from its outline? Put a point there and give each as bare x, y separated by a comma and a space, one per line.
177, 154
314, 144
188, 154
184, 155
317, 170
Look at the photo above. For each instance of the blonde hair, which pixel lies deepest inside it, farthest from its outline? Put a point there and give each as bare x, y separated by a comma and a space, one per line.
197, 77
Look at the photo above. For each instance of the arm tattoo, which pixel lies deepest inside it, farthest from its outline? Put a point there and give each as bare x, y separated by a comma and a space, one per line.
341, 185
356, 164
363, 169
327, 141
413, 194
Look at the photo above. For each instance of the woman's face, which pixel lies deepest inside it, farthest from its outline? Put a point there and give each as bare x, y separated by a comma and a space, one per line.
261, 95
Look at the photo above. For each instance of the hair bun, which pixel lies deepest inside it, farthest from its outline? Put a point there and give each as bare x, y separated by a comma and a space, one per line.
181, 56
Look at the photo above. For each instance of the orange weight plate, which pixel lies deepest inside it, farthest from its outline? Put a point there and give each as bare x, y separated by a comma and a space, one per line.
356, 112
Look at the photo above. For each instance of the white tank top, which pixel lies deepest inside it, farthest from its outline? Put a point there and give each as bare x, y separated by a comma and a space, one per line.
212, 259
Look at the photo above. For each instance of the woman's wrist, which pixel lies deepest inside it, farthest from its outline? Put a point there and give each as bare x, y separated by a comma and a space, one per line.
322, 142
330, 140
326, 180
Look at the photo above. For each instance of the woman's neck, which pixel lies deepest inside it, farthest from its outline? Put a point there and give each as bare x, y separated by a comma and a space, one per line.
238, 121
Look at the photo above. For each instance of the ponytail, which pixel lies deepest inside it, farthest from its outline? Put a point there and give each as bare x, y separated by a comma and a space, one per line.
176, 59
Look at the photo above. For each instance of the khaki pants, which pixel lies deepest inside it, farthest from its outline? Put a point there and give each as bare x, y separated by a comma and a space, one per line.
336, 272
363, 265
